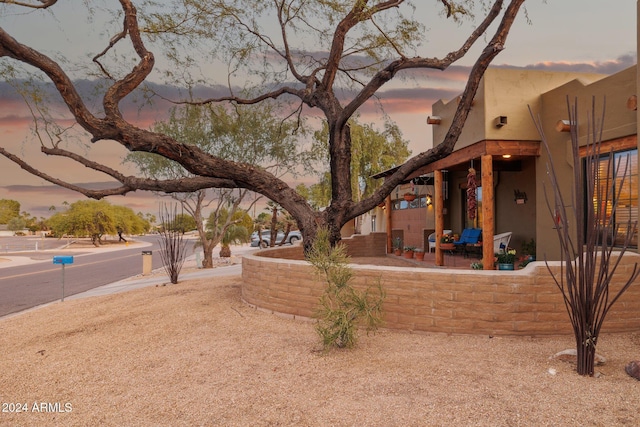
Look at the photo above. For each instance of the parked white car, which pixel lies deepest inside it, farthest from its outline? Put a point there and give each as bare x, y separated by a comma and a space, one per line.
265, 240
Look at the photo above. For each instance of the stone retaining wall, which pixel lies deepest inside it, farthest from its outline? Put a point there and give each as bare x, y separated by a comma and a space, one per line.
521, 302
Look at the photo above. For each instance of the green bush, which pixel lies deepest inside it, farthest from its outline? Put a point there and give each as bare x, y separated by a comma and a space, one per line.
342, 308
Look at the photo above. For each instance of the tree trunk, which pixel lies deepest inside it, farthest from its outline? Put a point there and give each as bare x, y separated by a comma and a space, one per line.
207, 253
274, 227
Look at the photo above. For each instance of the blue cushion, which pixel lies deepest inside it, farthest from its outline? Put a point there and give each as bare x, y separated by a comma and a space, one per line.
469, 236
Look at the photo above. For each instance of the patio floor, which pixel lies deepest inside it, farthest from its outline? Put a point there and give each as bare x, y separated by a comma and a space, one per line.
450, 261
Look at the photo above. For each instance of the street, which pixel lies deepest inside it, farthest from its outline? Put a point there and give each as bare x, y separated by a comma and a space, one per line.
27, 286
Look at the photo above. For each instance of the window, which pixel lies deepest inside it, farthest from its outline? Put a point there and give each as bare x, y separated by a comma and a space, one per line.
624, 188
418, 202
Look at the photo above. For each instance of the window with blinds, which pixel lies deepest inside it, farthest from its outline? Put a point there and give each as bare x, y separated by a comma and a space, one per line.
616, 182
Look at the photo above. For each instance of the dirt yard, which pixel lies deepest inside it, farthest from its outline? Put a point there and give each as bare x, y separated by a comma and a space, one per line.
194, 354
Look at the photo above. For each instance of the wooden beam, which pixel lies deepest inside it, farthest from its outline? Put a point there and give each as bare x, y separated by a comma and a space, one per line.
514, 148
439, 203
474, 151
387, 213
488, 203
618, 144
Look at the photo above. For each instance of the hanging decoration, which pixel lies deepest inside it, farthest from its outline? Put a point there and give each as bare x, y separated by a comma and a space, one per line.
472, 204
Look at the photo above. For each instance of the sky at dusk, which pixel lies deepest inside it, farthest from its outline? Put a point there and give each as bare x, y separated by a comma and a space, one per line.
560, 35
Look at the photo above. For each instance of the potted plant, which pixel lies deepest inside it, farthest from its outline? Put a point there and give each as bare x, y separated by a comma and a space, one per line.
529, 250
397, 246
419, 254
506, 259
408, 251
446, 242
409, 197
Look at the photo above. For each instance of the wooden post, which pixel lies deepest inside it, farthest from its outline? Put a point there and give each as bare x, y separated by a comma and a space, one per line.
488, 203
439, 202
387, 213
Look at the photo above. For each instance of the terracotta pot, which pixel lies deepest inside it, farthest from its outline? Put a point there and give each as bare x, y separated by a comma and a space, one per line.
408, 254
409, 197
447, 246
419, 256
397, 252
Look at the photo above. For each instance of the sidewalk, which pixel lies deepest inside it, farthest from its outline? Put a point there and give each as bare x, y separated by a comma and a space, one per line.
157, 277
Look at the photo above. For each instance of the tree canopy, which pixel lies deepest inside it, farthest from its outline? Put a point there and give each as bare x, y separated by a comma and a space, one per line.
8, 209
250, 134
94, 219
325, 56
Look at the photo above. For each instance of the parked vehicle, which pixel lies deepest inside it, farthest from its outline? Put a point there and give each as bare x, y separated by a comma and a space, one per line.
265, 240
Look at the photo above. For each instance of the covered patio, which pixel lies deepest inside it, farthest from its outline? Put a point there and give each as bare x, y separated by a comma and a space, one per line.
488, 157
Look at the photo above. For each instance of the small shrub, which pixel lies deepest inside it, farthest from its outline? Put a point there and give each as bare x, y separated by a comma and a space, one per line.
477, 266
342, 308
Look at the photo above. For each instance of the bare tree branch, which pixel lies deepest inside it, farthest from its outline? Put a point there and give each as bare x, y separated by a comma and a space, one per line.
129, 183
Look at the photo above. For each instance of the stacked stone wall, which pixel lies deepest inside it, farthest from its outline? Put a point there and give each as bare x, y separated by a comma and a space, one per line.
521, 302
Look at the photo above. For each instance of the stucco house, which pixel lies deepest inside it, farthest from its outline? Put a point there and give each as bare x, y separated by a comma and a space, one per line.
500, 142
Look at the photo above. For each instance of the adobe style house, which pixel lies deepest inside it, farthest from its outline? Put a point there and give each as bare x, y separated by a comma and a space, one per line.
500, 142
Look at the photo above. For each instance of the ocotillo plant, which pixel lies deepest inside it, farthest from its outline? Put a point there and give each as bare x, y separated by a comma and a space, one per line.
172, 245
588, 253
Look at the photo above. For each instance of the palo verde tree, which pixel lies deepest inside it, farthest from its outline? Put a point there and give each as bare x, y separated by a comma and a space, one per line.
586, 232
94, 219
320, 56
249, 134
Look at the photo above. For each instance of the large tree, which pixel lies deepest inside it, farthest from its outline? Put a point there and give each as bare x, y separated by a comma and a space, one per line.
250, 134
94, 219
329, 56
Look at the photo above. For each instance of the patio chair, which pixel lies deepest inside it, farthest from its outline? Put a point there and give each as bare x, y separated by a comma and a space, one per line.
501, 242
469, 236
432, 239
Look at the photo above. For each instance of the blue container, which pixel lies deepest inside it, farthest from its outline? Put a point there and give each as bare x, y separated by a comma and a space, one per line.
502, 266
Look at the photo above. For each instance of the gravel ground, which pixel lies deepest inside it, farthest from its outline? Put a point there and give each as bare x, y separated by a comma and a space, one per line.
194, 354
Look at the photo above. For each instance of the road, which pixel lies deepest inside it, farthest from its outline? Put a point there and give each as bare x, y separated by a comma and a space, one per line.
26, 286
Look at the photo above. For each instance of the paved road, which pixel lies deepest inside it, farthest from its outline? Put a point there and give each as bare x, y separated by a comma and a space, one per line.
26, 286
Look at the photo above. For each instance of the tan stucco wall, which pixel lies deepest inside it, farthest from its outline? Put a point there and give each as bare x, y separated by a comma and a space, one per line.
619, 122
524, 302
503, 92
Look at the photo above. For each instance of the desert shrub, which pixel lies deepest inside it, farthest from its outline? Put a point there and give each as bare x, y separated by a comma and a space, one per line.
343, 309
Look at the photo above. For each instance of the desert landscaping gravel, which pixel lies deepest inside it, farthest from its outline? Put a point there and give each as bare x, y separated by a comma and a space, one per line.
193, 354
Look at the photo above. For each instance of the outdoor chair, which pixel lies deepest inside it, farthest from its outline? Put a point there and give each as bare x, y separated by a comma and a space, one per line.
501, 242
469, 236
432, 239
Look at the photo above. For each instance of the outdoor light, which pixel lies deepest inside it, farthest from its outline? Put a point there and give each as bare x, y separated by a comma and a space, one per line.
506, 156
429, 200
563, 126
